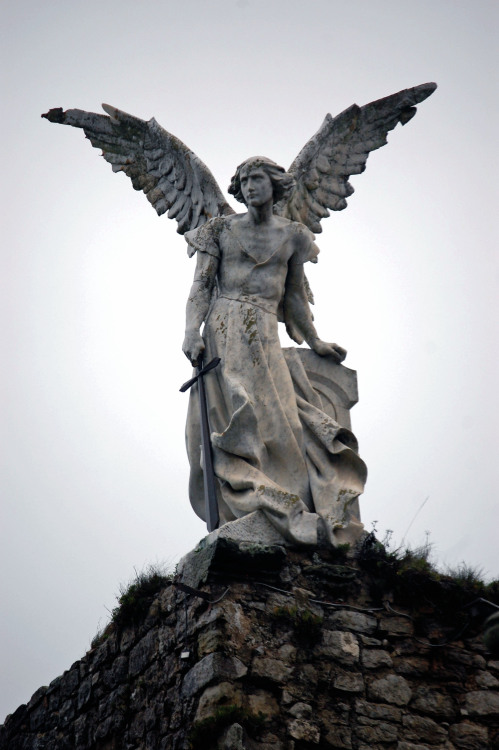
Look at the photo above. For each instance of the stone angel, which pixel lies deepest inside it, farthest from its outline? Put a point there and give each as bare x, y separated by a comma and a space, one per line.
276, 447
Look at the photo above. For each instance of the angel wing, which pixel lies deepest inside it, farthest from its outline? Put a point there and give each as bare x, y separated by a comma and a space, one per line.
170, 174
340, 149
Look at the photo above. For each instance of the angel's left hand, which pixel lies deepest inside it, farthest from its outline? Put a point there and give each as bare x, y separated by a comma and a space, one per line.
329, 350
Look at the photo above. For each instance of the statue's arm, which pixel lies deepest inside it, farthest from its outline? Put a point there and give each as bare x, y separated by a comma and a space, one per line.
198, 304
299, 318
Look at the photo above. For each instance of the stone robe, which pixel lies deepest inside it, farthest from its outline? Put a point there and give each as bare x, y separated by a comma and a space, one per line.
273, 448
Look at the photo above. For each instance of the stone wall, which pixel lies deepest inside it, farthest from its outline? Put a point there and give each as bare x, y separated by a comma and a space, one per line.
259, 659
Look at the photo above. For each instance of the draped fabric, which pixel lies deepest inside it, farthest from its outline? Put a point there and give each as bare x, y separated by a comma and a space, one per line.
274, 449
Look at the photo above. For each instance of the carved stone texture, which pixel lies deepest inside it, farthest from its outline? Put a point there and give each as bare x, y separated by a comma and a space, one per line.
279, 420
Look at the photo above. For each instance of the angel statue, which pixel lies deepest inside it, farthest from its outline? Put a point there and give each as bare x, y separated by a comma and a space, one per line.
276, 448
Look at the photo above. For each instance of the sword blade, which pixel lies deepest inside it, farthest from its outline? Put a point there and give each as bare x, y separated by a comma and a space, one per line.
210, 494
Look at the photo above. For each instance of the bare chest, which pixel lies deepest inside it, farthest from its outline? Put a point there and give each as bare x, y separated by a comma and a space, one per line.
260, 243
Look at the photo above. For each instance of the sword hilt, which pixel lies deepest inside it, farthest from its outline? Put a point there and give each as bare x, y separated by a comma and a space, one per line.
201, 371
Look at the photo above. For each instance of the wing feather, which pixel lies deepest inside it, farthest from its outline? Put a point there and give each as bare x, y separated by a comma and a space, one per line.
173, 178
340, 149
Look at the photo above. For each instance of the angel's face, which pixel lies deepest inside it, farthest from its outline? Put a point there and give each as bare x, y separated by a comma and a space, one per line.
256, 186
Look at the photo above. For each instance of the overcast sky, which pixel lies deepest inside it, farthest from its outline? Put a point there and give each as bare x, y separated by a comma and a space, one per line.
94, 472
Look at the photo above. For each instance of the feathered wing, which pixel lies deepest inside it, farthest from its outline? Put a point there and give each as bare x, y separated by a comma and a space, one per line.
170, 174
339, 149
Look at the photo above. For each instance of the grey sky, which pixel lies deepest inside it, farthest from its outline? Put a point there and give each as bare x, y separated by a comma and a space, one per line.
94, 472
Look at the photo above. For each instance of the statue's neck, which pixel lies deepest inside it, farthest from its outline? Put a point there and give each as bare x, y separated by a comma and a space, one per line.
259, 215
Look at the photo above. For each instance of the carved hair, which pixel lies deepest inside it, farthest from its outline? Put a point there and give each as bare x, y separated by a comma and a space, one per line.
282, 182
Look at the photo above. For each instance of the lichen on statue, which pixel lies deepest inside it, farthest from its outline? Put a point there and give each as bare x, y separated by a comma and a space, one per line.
276, 446
273, 450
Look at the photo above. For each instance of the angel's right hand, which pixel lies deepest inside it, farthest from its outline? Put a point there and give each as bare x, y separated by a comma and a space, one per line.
193, 346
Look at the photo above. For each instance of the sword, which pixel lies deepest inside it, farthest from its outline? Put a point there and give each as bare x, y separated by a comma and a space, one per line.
210, 495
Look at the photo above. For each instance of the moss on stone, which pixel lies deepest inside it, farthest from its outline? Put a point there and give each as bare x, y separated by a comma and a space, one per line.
307, 626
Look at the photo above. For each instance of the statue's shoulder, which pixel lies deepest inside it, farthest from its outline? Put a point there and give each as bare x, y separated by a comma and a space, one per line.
301, 234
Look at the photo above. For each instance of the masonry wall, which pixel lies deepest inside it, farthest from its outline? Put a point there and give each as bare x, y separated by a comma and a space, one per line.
271, 664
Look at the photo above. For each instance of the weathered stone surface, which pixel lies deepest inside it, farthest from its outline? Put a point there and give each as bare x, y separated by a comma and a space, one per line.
434, 703
304, 730
223, 694
487, 680
374, 659
84, 693
309, 693
351, 620
396, 625
418, 728
273, 670
233, 738
391, 689
378, 711
340, 645
210, 641
301, 710
349, 682
412, 666
211, 667
482, 703
377, 733
142, 653
337, 737
467, 736
262, 702
69, 682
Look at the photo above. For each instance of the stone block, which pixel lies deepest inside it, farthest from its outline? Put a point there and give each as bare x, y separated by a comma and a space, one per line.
274, 670
396, 625
287, 652
374, 733
487, 680
69, 682
467, 736
337, 737
482, 703
367, 640
299, 729
210, 668
119, 671
233, 738
349, 682
142, 653
84, 693
376, 658
422, 728
127, 639
415, 666
253, 528
378, 712
434, 703
262, 702
340, 646
210, 641
301, 710
391, 689
223, 694
66, 713
249, 544
351, 620
36, 697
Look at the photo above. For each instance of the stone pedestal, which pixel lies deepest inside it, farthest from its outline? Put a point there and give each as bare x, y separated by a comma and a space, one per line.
258, 647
